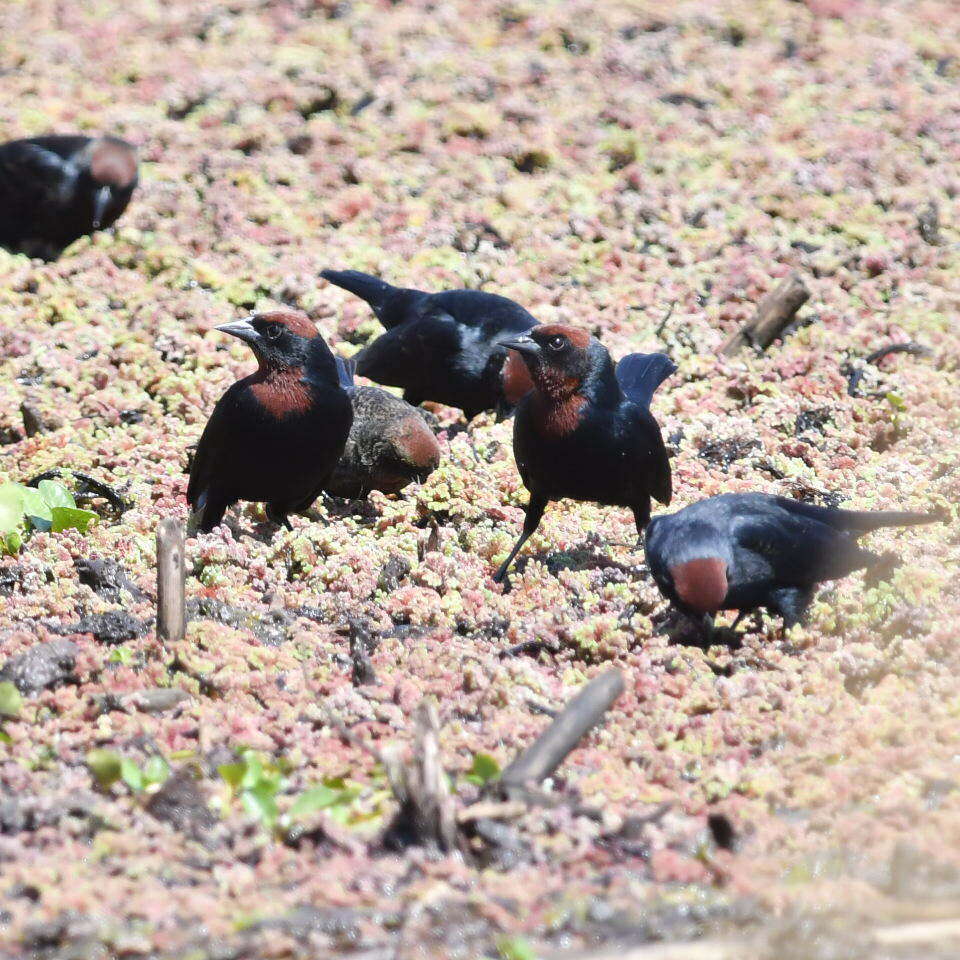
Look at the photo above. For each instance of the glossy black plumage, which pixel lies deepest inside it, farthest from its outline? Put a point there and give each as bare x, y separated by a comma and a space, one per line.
585, 431
277, 435
768, 551
443, 347
55, 189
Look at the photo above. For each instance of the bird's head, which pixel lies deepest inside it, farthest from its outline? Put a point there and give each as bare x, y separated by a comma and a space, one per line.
111, 164
279, 340
559, 357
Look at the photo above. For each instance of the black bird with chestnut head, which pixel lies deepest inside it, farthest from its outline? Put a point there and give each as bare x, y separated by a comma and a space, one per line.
585, 431
444, 347
743, 551
276, 436
55, 189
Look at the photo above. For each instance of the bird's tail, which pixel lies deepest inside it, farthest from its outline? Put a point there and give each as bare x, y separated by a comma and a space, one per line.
864, 521
641, 373
386, 300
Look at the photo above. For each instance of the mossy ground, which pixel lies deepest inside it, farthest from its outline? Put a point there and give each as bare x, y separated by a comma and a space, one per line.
602, 163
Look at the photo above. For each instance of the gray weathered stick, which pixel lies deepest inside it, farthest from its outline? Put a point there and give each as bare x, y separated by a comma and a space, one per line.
171, 573
551, 748
774, 313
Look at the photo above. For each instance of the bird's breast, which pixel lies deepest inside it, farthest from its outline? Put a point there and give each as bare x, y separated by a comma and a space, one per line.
282, 395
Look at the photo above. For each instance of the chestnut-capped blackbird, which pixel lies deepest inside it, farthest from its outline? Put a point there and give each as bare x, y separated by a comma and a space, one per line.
585, 431
445, 347
275, 436
390, 444
742, 551
55, 189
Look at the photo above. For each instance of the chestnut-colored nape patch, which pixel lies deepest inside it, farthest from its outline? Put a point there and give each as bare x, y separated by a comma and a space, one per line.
114, 163
579, 337
296, 323
516, 378
701, 584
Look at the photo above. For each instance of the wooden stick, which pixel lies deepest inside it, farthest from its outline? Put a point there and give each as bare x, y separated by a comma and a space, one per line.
552, 747
774, 313
171, 575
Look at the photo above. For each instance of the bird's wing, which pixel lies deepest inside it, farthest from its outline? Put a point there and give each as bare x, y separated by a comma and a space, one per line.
639, 375
397, 356
649, 453
345, 371
798, 549
29, 165
220, 437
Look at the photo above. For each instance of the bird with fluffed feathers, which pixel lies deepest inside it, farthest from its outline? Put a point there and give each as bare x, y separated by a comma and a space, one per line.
585, 430
58, 188
443, 347
275, 436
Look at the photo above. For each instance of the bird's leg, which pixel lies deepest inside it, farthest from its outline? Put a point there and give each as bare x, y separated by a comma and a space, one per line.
740, 615
791, 603
278, 516
531, 521
709, 627
641, 517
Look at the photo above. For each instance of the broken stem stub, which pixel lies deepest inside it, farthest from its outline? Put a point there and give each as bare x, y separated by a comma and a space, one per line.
568, 728
774, 313
171, 576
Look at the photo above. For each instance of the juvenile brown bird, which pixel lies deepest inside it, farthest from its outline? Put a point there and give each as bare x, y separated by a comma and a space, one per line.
55, 189
275, 436
585, 431
742, 551
390, 444
446, 347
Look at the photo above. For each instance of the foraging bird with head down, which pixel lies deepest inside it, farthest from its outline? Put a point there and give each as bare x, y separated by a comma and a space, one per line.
444, 347
275, 436
585, 431
55, 189
743, 551
390, 444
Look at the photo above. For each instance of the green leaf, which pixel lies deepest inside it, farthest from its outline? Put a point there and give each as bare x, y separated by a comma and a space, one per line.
106, 767
131, 775
156, 770
5, 737
12, 543
10, 699
310, 801
35, 508
232, 773
896, 401
67, 518
484, 769
515, 948
253, 774
56, 494
122, 655
11, 507
261, 802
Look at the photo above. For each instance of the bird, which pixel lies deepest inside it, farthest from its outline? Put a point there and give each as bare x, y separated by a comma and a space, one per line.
390, 444
55, 189
444, 347
275, 436
744, 551
585, 431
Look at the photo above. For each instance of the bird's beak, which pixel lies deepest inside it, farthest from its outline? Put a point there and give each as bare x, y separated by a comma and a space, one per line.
100, 202
242, 329
525, 346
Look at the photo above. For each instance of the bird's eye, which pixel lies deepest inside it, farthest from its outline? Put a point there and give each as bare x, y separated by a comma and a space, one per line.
557, 343
273, 331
